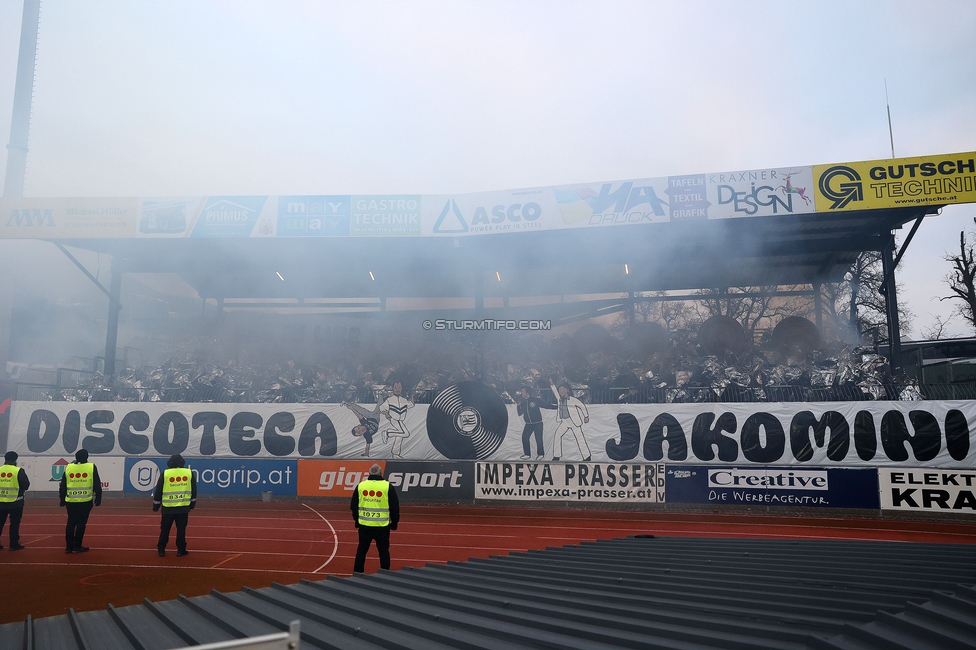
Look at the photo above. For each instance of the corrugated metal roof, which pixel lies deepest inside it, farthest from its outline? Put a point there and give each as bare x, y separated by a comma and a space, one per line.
638, 592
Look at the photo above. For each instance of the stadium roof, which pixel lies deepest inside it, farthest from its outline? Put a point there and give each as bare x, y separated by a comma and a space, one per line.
634, 592
783, 250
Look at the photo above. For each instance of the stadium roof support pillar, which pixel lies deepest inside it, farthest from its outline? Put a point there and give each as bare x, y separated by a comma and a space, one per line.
13, 184
891, 302
818, 306
114, 307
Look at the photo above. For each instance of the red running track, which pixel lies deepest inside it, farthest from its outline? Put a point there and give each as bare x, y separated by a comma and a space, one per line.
238, 543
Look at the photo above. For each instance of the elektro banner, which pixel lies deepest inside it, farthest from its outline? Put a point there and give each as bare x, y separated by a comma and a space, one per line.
930, 490
218, 475
548, 482
820, 487
896, 183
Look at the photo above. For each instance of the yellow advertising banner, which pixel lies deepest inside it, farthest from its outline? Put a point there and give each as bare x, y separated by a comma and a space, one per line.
896, 182
63, 218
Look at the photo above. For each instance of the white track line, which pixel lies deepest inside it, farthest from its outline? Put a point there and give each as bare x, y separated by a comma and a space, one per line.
150, 566
335, 536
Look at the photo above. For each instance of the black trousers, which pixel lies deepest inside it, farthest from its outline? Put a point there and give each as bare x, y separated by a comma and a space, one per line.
15, 516
532, 428
74, 532
167, 523
366, 535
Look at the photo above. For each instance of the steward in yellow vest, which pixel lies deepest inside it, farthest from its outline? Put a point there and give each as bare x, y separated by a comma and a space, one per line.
80, 489
376, 511
176, 495
13, 484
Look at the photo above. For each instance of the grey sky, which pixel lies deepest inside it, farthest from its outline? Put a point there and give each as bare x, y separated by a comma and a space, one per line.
192, 98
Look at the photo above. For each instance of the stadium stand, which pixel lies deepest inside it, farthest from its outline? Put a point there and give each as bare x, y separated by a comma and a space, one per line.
639, 592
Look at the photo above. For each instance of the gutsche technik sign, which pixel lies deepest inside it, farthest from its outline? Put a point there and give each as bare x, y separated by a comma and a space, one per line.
937, 434
772, 191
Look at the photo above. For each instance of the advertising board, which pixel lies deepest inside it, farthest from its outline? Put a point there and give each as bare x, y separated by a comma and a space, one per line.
582, 482
332, 478
223, 476
930, 490
431, 481
774, 486
893, 183
45, 472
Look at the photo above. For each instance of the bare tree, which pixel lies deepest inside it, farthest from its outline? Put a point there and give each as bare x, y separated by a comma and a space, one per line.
856, 305
937, 331
753, 307
672, 314
962, 279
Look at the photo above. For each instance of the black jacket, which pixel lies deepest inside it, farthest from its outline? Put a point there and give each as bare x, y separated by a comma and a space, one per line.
24, 484
96, 484
529, 410
394, 507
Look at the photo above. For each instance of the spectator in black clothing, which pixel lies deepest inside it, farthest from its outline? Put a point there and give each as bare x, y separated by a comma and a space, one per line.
376, 511
176, 494
528, 408
79, 490
13, 484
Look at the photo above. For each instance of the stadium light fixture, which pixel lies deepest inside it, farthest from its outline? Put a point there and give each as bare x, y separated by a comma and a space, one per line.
371, 276
279, 276
498, 275
626, 270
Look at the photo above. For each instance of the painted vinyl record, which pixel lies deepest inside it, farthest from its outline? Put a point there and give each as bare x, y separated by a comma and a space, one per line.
467, 420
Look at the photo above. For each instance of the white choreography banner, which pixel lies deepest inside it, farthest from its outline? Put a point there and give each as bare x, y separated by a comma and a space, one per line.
824, 434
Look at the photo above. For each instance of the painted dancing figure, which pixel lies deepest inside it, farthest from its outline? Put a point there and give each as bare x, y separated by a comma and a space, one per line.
529, 408
395, 410
369, 422
571, 415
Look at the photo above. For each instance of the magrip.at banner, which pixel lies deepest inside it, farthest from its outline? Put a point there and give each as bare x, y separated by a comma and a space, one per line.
225, 476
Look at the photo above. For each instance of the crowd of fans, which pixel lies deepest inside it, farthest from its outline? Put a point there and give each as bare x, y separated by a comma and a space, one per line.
600, 368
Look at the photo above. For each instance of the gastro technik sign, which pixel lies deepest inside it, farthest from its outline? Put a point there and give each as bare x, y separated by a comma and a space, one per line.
770, 192
898, 182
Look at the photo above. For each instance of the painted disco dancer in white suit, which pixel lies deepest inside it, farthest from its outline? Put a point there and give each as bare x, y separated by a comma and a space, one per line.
571, 414
395, 410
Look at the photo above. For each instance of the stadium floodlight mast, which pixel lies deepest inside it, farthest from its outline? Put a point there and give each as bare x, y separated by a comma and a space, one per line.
13, 182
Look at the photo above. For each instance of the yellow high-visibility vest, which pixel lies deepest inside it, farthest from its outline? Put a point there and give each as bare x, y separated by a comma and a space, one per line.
80, 478
176, 487
374, 503
9, 483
